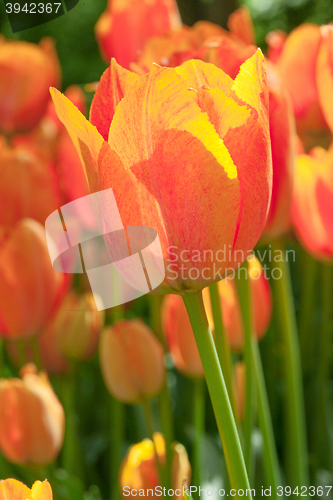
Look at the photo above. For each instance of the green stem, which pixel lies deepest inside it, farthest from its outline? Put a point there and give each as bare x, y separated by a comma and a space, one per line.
36, 353
271, 462
164, 400
218, 392
162, 480
244, 294
116, 440
71, 449
320, 428
199, 428
296, 447
221, 341
305, 316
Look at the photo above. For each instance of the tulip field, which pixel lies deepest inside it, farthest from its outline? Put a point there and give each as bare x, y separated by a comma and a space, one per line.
166, 249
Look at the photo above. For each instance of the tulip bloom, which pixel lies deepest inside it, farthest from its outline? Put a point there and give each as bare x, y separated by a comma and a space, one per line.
32, 420
124, 27
30, 289
324, 73
28, 186
228, 51
11, 489
27, 71
132, 361
297, 64
72, 333
180, 337
312, 206
195, 166
232, 317
138, 470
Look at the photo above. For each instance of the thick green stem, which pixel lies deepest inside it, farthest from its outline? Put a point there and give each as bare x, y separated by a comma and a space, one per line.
164, 400
271, 462
199, 428
244, 294
116, 440
218, 392
296, 447
221, 341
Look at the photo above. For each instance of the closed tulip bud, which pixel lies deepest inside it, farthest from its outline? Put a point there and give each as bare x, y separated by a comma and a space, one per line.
180, 336
28, 186
11, 489
132, 361
32, 419
27, 72
30, 289
239, 388
202, 133
261, 303
139, 470
324, 74
77, 325
137, 21
313, 202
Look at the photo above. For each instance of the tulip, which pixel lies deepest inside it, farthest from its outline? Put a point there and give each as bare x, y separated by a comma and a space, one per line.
324, 75
32, 420
72, 333
30, 289
196, 166
28, 186
27, 71
261, 303
239, 388
11, 489
180, 337
313, 202
124, 27
228, 51
296, 65
138, 470
132, 361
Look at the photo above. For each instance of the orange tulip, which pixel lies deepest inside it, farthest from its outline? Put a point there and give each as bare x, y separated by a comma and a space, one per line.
180, 337
312, 206
11, 489
324, 73
228, 51
30, 289
32, 420
232, 318
71, 333
132, 361
28, 186
27, 71
138, 470
297, 64
196, 166
124, 27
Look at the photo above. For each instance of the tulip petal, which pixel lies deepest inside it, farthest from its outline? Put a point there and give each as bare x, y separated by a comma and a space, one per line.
11, 489
197, 74
241, 26
111, 89
86, 138
324, 74
41, 491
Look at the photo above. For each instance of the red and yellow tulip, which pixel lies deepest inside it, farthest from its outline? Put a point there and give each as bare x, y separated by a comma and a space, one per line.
12, 489
187, 152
